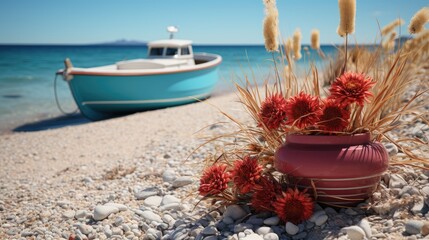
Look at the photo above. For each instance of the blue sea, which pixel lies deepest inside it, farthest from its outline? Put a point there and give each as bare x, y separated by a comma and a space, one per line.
27, 74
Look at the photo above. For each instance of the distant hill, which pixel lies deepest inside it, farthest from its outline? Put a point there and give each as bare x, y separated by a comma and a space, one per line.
123, 42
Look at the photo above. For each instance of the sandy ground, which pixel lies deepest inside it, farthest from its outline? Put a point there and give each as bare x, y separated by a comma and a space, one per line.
36, 154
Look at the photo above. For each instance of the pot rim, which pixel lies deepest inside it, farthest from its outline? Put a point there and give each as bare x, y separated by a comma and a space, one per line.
355, 139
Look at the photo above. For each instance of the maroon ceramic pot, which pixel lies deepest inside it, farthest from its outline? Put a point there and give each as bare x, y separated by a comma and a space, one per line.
338, 170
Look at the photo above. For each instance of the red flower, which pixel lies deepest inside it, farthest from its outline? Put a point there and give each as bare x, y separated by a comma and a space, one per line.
334, 116
294, 206
351, 87
265, 195
246, 174
214, 180
302, 110
273, 111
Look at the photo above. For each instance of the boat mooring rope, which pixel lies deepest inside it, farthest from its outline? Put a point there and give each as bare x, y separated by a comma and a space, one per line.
58, 102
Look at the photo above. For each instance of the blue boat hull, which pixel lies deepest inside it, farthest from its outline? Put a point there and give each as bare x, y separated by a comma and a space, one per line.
100, 96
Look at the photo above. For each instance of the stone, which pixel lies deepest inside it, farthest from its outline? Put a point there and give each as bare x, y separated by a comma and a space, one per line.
425, 229
85, 229
413, 226
263, 230
169, 175
210, 230
170, 206
241, 227
119, 206
396, 181
81, 214
316, 215
321, 219
235, 212
354, 232
252, 236
291, 228
153, 201
271, 236
168, 199
364, 224
149, 216
141, 195
182, 181
272, 221
391, 148
418, 205
102, 212
68, 214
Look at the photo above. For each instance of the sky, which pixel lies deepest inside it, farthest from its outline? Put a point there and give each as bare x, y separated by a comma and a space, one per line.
202, 21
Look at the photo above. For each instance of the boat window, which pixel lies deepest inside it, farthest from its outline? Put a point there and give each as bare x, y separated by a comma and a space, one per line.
185, 51
156, 51
171, 51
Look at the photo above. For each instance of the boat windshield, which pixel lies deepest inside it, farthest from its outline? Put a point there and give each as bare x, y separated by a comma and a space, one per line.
171, 51
156, 51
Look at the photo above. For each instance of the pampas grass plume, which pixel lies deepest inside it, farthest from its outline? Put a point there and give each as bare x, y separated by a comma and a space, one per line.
419, 20
315, 43
297, 44
347, 17
389, 27
271, 26
389, 44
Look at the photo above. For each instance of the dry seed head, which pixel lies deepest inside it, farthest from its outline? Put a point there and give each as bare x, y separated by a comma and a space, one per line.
389, 44
289, 45
315, 43
389, 27
297, 44
419, 20
347, 17
271, 23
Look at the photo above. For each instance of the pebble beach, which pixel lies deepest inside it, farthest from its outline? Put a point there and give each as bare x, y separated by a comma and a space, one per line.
136, 177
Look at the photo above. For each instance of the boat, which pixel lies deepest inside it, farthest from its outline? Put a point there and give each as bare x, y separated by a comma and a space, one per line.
171, 75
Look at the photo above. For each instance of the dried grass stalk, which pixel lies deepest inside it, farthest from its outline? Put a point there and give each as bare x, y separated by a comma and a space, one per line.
315, 43
419, 20
389, 27
297, 44
347, 16
389, 44
271, 23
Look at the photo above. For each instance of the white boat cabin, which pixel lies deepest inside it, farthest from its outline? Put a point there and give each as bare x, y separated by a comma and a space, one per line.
163, 54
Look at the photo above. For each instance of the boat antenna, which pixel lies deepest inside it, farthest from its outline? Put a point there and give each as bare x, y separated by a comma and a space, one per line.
172, 30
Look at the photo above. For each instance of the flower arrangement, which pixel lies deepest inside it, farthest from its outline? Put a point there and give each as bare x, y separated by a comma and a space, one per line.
364, 94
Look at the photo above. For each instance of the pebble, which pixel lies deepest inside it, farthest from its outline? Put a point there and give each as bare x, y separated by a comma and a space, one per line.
252, 236
271, 236
241, 227
234, 212
272, 221
182, 181
425, 229
263, 230
364, 224
168, 199
169, 176
153, 201
102, 212
291, 228
68, 214
321, 219
209, 230
149, 216
413, 226
81, 214
354, 232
